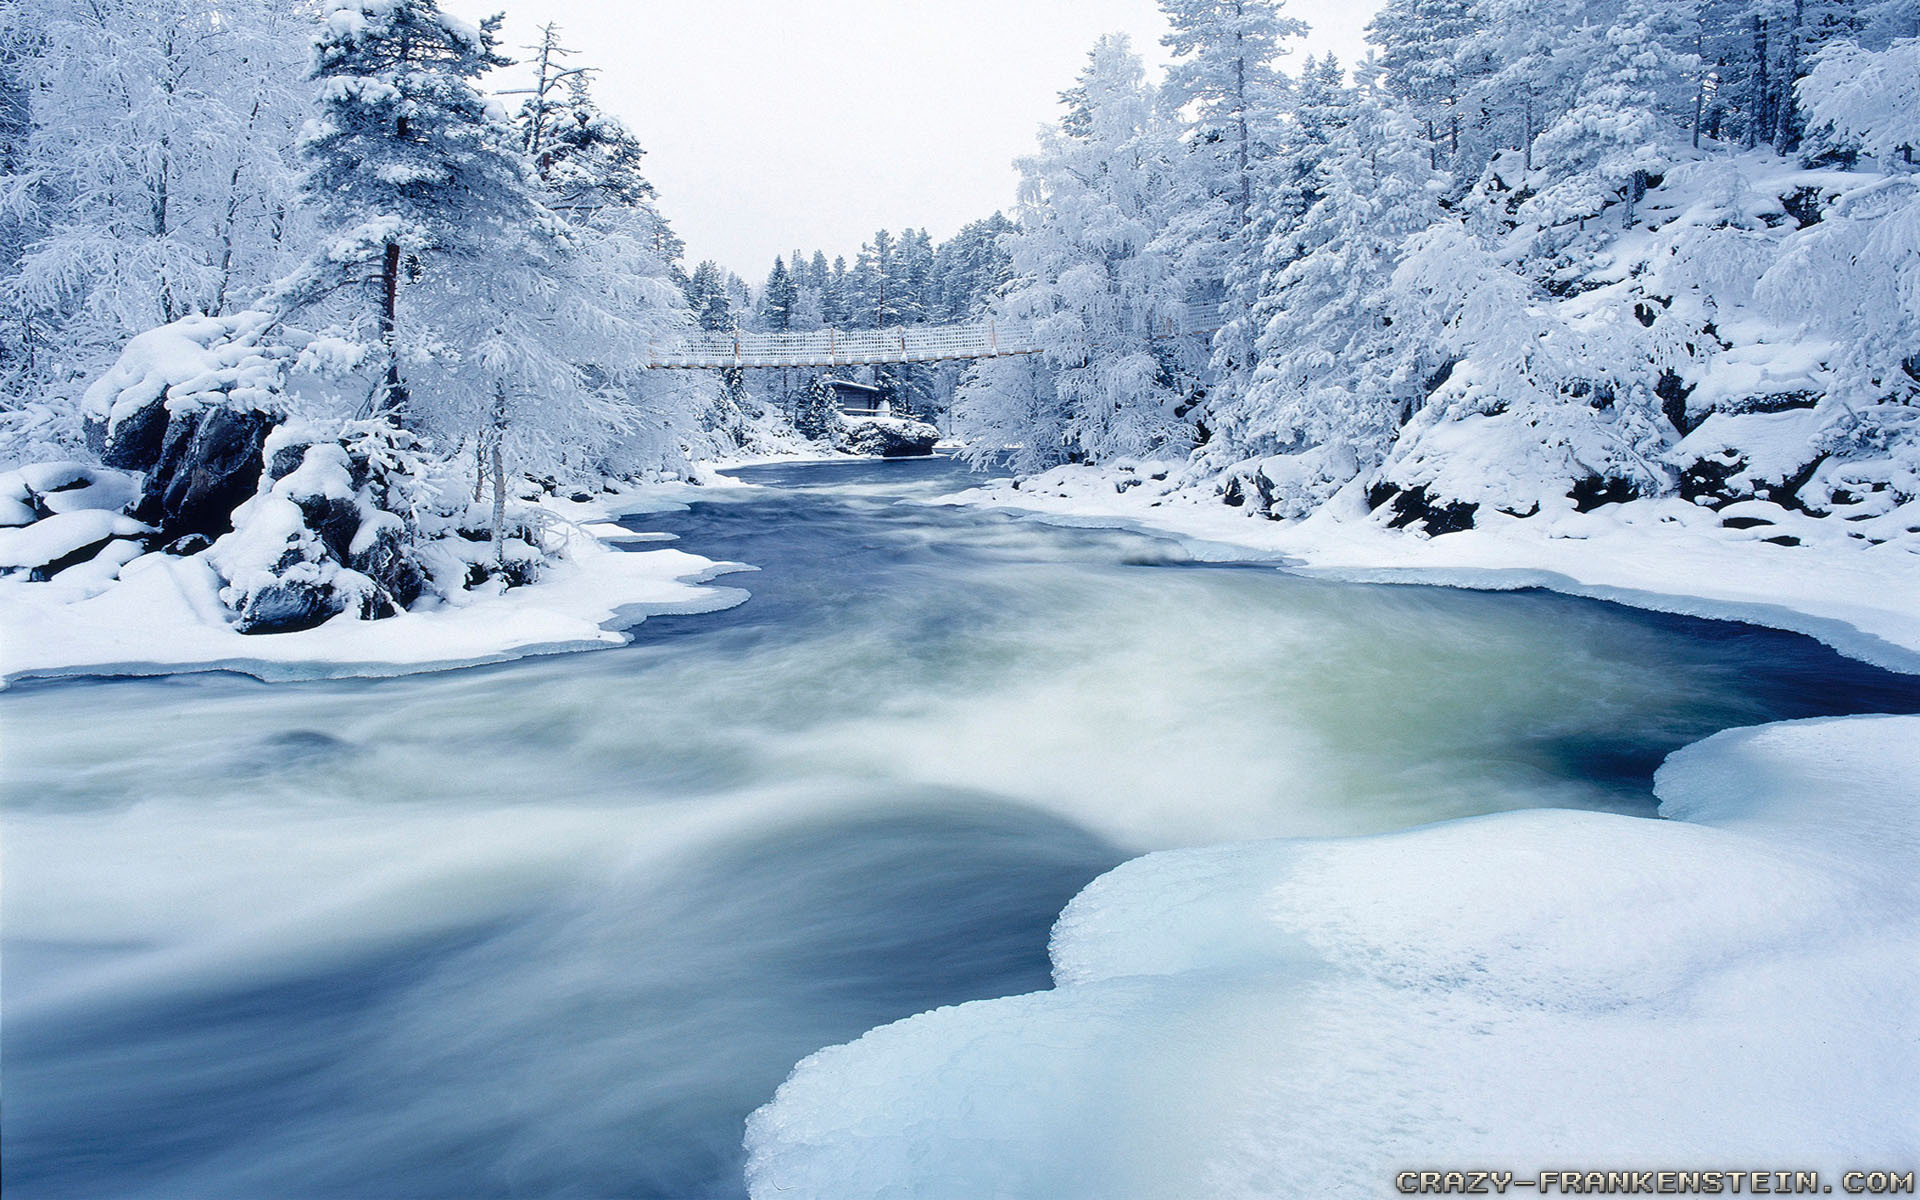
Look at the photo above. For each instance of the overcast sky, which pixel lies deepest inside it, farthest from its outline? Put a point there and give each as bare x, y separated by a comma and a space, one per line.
776, 124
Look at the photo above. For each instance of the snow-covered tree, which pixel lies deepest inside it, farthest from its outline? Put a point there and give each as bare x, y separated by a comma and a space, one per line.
1871, 101
1225, 81
970, 267
1624, 123
486, 316
1087, 275
412, 169
816, 411
1534, 405
1340, 371
778, 298
1856, 275
1539, 52
150, 173
1432, 53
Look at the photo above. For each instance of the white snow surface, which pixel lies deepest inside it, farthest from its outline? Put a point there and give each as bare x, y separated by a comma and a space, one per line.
1661, 554
159, 614
53, 538
1735, 987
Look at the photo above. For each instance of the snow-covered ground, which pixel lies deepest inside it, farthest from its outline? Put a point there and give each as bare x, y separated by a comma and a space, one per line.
1665, 554
1735, 988
163, 614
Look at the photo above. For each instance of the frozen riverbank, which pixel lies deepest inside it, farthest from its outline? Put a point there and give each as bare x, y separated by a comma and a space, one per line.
1665, 555
163, 614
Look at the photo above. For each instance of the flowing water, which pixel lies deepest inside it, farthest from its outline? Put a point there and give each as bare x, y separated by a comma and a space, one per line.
553, 928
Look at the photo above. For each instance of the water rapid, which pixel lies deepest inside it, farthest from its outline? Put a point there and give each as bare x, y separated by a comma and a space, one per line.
553, 928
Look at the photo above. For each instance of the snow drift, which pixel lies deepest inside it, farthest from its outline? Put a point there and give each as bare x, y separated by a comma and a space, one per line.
1304, 1018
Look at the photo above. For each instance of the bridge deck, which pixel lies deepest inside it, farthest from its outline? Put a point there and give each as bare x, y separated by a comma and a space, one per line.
866, 347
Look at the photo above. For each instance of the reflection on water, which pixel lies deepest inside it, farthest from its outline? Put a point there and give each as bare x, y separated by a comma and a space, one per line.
555, 927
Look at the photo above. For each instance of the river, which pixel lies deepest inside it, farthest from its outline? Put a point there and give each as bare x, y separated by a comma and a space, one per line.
554, 927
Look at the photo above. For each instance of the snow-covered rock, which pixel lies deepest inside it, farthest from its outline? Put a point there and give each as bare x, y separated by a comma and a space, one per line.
887, 437
316, 542
52, 544
190, 405
41, 489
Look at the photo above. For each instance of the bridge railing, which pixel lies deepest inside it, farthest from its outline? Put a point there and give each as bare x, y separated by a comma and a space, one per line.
901, 344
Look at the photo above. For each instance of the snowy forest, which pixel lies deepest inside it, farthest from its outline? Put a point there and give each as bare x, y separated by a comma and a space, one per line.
1525, 257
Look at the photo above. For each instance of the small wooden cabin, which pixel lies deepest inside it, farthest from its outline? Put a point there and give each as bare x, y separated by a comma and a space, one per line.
860, 399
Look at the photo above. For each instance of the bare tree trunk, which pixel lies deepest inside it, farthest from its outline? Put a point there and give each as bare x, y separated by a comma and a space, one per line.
1526, 146
1759, 94
392, 395
1786, 137
499, 506
499, 478
1700, 84
228, 220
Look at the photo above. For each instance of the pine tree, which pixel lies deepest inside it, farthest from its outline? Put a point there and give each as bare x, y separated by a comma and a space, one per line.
1225, 73
1226, 80
970, 268
410, 170
778, 298
1623, 126
1337, 378
815, 414
1431, 55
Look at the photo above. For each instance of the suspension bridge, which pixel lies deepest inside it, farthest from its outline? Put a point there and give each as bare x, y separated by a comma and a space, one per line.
901, 344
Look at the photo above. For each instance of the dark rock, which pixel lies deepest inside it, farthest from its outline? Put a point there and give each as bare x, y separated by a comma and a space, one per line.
1706, 479
375, 605
519, 572
334, 519
388, 563
890, 439
1709, 479
286, 460
1673, 393
133, 443
1772, 402
1744, 522
1233, 496
72, 558
1593, 491
209, 464
1803, 206
580, 497
192, 543
1418, 505
286, 607
1782, 540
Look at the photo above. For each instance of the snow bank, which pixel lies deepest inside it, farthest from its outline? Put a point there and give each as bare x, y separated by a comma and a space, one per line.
164, 614
1543, 989
61, 535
